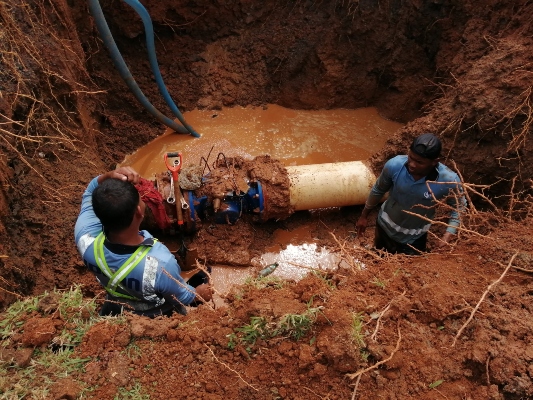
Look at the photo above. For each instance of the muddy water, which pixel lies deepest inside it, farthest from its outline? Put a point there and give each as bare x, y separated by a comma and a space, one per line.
294, 261
295, 137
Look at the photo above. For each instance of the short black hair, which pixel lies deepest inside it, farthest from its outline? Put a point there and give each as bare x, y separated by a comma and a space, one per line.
427, 145
114, 203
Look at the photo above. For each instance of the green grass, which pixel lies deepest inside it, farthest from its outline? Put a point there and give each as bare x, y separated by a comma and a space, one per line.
258, 283
294, 326
133, 393
378, 282
325, 277
256, 329
49, 364
264, 282
12, 318
357, 329
436, 383
77, 312
132, 351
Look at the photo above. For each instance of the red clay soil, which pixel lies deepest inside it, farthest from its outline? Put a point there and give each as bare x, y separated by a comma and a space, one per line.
459, 69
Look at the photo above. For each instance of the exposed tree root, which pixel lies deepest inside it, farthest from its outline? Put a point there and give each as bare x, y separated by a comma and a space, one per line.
482, 298
376, 365
231, 369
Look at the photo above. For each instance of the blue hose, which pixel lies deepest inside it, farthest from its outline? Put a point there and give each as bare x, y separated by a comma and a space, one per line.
150, 46
120, 65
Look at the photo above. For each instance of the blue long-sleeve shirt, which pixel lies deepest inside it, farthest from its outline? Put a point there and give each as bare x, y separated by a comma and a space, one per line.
419, 197
155, 281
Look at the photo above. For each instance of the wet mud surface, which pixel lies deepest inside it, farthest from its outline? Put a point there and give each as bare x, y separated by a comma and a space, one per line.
461, 70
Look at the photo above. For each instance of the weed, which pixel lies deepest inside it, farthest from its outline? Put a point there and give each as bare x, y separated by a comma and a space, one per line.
263, 282
325, 277
233, 339
258, 283
35, 380
116, 320
435, 384
357, 329
256, 329
134, 393
77, 312
294, 326
62, 361
148, 367
398, 272
132, 350
378, 282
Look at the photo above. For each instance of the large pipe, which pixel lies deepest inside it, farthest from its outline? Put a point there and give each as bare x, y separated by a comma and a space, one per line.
329, 185
120, 65
310, 187
152, 57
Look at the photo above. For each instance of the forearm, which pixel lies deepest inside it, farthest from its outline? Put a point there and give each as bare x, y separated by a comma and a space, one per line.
87, 221
173, 287
379, 189
453, 223
366, 211
458, 208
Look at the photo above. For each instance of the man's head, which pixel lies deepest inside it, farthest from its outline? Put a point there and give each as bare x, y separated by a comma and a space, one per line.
423, 155
427, 145
115, 203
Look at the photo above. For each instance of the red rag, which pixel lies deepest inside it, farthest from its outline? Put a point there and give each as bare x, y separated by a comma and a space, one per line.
153, 199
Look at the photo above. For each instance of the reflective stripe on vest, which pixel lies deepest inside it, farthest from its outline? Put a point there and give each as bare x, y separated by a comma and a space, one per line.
116, 278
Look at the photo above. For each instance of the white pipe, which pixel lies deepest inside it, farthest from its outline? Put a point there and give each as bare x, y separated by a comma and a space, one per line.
329, 185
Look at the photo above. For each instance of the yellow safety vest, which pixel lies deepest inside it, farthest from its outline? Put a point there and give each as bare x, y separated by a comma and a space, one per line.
115, 279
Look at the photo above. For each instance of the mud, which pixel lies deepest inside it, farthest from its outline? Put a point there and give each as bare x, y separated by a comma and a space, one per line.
459, 69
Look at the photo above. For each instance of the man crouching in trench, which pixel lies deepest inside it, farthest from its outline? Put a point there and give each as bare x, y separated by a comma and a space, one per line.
138, 272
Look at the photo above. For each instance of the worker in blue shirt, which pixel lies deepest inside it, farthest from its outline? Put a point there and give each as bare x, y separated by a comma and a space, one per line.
139, 273
415, 183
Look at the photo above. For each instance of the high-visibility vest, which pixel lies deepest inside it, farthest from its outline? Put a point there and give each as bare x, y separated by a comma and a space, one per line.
115, 279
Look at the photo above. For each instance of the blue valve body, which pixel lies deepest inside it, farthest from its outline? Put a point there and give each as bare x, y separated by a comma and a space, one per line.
232, 206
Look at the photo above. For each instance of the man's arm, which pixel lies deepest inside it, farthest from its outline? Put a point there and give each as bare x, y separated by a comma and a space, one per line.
457, 201
87, 221
173, 287
382, 186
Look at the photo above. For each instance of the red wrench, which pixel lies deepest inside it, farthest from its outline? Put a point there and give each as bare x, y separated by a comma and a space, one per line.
175, 170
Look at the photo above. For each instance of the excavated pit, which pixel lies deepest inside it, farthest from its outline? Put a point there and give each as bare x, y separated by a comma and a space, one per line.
459, 69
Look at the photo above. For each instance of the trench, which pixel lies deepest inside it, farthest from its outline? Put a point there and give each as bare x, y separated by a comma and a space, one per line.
455, 68
293, 137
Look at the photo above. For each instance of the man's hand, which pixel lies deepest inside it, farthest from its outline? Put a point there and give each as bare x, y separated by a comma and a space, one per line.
204, 292
361, 225
445, 240
362, 222
122, 173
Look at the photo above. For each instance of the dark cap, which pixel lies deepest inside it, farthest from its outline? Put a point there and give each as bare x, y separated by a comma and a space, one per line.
427, 146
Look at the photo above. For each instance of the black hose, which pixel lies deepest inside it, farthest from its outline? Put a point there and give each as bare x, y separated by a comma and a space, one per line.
120, 65
150, 47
